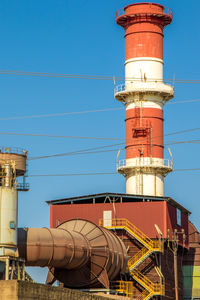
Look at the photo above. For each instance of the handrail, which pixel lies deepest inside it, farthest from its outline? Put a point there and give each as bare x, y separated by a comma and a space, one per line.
145, 294
123, 286
12, 150
138, 256
128, 86
149, 246
120, 12
128, 225
152, 287
166, 11
23, 186
137, 233
143, 278
132, 262
146, 162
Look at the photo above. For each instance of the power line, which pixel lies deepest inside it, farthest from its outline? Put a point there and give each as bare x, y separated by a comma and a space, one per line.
92, 138
60, 114
82, 112
186, 170
61, 136
93, 77
184, 101
183, 131
182, 142
96, 174
77, 152
89, 150
56, 75
73, 174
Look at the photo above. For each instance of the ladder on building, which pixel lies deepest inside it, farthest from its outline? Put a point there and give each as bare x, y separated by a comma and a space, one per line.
155, 246
139, 257
152, 289
150, 246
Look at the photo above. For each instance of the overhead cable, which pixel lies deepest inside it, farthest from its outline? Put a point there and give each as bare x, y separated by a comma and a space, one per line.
60, 114
94, 77
183, 101
182, 142
77, 152
186, 170
61, 136
96, 174
183, 131
73, 174
87, 151
92, 137
83, 112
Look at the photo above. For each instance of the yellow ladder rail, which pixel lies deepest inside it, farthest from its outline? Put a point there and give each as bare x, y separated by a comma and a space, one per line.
150, 246
140, 256
125, 224
136, 259
125, 287
135, 232
154, 288
142, 279
144, 295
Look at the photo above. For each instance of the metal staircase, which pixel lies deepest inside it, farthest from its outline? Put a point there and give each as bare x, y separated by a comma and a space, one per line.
154, 246
138, 258
150, 246
151, 288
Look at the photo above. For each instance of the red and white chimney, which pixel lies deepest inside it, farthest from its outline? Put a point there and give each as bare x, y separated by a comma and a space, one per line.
144, 95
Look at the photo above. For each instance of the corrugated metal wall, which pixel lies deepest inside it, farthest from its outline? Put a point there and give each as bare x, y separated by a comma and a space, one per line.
143, 215
191, 266
191, 281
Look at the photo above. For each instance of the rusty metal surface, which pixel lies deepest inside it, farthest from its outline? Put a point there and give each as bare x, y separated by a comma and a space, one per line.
78, 253
52, 248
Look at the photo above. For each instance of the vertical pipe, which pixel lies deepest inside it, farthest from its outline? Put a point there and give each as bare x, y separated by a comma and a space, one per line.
175, 275
7, 269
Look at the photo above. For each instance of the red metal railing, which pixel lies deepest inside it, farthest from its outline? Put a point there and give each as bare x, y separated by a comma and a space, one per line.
166, 11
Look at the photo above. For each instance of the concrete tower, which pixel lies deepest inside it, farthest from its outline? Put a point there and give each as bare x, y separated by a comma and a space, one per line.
12, 166
144, 95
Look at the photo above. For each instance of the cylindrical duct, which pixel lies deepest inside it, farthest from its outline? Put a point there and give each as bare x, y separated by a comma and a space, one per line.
56, 248
78, 253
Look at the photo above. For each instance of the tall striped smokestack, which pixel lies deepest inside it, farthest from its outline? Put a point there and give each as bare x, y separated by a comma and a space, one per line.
144, 95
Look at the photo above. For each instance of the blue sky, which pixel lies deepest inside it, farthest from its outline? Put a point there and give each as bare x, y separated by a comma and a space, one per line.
81, 37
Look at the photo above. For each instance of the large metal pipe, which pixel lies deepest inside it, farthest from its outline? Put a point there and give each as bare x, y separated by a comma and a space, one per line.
56, 248
78, 253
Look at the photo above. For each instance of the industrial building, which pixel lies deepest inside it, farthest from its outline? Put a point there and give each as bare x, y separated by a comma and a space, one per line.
140, 244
